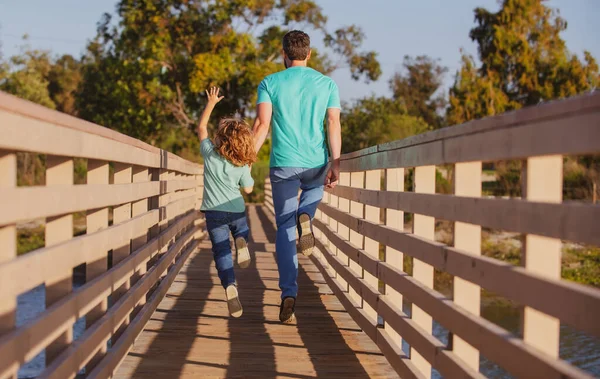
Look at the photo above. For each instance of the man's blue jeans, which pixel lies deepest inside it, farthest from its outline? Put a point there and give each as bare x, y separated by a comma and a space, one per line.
219, 225
286, 181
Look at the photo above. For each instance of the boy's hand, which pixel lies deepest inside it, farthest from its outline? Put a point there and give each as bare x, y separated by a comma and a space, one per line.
213, 96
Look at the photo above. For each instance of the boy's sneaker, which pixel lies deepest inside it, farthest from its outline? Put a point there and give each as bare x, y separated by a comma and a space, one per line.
243, 254
233, 301
306, 239
287, 310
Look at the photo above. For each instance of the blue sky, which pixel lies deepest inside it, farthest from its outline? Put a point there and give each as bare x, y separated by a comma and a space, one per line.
394, 28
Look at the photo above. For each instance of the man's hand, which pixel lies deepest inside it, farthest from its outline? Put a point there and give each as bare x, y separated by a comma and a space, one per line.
213, 96
333, 176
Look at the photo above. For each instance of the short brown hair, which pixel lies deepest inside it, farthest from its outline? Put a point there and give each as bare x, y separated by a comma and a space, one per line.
234, 142
296, 45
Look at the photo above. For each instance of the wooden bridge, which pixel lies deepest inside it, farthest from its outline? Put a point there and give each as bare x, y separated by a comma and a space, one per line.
152, 306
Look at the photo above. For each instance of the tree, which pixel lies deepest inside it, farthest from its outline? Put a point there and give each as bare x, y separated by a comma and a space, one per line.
523, 61
64, 78
419, 88
148, 71
375, 120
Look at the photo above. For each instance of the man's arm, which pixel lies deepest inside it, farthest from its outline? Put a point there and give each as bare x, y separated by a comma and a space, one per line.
264, 111
334, 131
213, 99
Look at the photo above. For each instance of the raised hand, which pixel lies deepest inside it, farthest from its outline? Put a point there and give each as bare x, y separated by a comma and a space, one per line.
213, 95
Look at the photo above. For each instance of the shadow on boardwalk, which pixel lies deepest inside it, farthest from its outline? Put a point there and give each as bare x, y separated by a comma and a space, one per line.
191, 334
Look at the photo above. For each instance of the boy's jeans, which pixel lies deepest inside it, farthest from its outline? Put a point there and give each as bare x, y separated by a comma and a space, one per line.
286, 181
219, 224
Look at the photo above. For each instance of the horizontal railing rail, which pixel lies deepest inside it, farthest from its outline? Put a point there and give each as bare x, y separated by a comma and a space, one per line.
140, 206
361, 250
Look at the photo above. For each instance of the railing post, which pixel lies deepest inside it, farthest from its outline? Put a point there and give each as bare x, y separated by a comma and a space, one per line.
394, 181
333, 201
423, 226
97, 219
8, 246
372, 182
140, 175
467, 237
542, 255
343, 230
357, 180
122, 213
59, 172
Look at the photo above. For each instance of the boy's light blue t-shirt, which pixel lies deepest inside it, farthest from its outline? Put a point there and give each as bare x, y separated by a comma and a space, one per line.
300, 98
222, 181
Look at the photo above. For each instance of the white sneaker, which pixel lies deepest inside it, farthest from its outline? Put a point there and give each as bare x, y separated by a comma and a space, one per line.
233, 301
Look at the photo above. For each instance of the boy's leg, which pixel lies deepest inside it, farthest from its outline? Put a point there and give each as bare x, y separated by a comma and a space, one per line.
218, 230
286, 183
239, 228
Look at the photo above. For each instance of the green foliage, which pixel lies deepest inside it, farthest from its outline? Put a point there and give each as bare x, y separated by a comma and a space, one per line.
147, 71
418, 89
29, 239
374, 120
523, 61
582, 265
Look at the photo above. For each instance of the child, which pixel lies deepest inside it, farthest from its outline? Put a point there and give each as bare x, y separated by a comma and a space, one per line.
226, 169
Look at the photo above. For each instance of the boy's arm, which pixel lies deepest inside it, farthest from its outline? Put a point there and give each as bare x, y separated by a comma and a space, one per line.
246, 181
213, 99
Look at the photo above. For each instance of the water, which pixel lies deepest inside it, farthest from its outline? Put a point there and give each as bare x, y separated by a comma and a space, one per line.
29, 306
577, 348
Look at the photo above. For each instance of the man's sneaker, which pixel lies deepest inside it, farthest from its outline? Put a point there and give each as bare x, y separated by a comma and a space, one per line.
287, 309
233, 301
243, 254
306, 240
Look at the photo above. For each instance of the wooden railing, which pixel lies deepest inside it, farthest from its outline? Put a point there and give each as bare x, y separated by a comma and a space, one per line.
151, 197
350, 229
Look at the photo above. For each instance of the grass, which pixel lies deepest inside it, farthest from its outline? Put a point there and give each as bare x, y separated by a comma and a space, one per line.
29, 239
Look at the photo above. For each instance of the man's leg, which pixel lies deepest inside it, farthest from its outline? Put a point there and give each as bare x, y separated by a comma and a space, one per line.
286, 183
312, 186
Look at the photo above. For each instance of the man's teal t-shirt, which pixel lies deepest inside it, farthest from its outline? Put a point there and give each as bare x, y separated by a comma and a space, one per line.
300, 97
222, 181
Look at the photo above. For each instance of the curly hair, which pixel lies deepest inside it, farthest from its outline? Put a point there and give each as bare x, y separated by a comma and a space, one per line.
234, 142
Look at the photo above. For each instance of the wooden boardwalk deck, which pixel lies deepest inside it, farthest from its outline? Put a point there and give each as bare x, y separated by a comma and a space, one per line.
191, 335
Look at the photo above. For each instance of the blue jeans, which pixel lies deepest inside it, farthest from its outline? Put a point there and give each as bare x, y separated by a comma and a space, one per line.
219, 225
286, 181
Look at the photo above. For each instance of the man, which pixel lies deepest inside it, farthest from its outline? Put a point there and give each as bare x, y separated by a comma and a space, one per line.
297, 100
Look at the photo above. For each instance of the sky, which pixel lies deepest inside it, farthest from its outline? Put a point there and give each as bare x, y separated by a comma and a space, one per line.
393, 28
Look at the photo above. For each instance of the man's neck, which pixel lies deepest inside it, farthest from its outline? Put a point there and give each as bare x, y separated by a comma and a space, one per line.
299, 64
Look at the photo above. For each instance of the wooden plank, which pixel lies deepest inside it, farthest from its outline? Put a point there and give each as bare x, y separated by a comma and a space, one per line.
28, 203
343, 230
573, 221
371, 246
586, 103
81, 351
500, 346
423, 226
140, 174
357, 180
557, 298
516, 142
542, 255
33, 268
467, 237
97, 219
59, 172
23, 133
8, 251
123, 175
394, 182
23, 344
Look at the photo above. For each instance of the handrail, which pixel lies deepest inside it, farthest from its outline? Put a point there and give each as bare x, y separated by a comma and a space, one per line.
359, 217
153, 197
